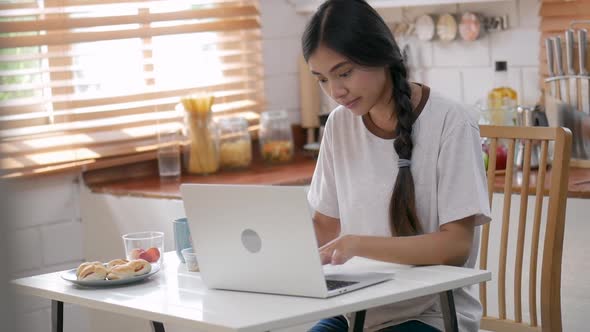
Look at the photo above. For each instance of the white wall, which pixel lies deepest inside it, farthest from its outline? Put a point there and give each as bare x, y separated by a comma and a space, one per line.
44, 233
462, 71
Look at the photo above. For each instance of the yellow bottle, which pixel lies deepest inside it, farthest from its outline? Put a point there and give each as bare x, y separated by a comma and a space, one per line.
502, 100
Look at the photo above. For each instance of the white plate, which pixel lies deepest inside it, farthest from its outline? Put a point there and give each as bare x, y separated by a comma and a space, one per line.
70, 276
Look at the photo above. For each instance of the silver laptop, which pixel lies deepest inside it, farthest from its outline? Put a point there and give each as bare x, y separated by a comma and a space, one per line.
261, 239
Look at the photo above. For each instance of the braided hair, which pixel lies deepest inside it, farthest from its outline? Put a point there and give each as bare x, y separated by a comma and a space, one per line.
355, 30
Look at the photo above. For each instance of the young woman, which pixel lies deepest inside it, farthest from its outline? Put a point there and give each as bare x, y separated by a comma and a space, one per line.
400, 176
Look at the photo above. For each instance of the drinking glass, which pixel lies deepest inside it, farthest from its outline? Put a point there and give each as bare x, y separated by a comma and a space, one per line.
144, 245
169, 138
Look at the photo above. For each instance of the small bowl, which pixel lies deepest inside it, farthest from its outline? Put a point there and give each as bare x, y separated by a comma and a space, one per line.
191, 259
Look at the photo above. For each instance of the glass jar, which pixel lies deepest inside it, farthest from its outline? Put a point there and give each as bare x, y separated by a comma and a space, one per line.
275, 137
235, 143
201, 153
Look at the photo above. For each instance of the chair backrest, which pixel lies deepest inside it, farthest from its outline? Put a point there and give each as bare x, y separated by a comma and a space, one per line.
534, 184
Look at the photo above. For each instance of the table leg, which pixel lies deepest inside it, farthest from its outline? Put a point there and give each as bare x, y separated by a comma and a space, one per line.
57, 316
357, 322
157, 327
448, 310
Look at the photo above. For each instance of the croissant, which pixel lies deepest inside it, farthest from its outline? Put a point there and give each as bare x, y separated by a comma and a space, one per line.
92, 272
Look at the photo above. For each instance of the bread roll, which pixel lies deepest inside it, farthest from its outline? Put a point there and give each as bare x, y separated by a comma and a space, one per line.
92, 272
121, 272
140, 266
116, 262
85, 264
133, 268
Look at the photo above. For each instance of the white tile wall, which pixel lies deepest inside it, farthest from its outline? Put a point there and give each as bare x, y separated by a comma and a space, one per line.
45, 235
461, 54
528, 11
281, 33
289, 50
445, 81
26, 252
459, 70
70, 250
54, 200
530, 84
520, 47
38, 320
470, 65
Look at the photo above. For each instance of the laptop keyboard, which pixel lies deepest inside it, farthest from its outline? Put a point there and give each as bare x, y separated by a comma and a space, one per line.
335, 284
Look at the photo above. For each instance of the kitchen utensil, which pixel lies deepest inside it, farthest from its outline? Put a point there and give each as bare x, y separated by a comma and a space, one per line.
561, 79
425, 27
571, 73
584, 77
525, 116
470, 27
552, 82
447, 27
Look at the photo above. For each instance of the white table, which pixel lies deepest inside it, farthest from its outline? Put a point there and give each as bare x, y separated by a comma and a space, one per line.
174, 295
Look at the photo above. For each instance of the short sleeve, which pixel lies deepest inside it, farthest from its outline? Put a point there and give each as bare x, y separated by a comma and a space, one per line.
322, 195
462, 185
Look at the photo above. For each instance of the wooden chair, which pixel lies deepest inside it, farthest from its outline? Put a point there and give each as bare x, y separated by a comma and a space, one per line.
550, 268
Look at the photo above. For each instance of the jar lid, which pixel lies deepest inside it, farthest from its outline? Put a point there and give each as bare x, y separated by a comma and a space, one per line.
274, 115
233, 121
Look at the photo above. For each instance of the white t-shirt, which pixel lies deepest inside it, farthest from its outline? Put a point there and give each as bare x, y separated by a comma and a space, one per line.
354, 178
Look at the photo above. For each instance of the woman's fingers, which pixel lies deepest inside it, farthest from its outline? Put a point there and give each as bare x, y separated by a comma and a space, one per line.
325, 257
338, 257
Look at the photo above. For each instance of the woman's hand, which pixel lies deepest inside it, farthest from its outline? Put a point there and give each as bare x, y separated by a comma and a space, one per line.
339, 250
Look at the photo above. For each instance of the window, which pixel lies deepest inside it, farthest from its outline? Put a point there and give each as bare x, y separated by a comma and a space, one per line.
84, 82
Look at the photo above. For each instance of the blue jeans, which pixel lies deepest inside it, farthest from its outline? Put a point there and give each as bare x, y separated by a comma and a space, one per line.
339, 324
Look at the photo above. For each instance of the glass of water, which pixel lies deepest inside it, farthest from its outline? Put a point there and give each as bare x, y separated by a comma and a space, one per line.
169, 138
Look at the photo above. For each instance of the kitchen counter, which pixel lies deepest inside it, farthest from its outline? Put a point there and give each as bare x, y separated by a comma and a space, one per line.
143, 181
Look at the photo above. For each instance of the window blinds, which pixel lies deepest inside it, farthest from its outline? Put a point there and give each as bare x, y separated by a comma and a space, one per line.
86, 81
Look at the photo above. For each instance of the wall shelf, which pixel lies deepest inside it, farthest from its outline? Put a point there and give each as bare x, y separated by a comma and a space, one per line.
308, 6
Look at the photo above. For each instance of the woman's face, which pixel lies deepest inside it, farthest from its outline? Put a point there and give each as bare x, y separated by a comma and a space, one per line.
359, 89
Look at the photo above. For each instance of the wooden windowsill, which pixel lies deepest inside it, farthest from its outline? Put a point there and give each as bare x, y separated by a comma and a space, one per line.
141, 179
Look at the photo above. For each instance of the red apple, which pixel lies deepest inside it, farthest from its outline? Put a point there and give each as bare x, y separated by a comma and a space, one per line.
136, 253
501, 157
151, 255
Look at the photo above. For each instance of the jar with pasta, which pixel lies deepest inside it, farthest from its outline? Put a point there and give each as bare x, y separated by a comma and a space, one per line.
276, 139
235, 143
202, 150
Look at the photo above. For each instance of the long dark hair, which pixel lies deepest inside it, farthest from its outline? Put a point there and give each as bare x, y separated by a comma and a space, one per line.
355, 30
